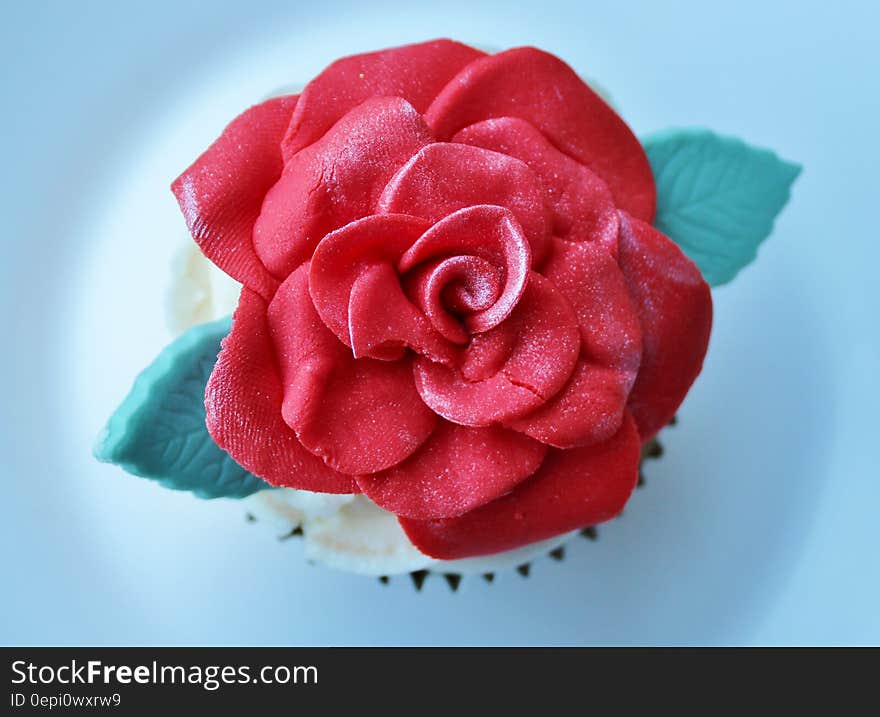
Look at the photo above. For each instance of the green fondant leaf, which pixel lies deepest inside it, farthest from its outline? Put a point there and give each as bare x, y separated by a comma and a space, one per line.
159, 430
717, 197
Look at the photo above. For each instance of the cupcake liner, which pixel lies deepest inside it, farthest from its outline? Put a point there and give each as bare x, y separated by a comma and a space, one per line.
653, 450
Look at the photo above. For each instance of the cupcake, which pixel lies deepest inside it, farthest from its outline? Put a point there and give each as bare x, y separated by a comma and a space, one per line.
464, 300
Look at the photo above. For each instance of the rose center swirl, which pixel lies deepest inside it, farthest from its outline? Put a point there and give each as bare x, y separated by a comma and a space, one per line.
468, 271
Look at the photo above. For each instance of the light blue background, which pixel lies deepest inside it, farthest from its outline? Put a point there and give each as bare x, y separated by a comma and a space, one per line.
761, 526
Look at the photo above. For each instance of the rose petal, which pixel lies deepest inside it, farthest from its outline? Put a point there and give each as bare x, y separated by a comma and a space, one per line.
572, 489
536, 86
543, 337
583, 208
336, 180
456, 470
243, 402
590, 407
588, 410
377, 320
490, 232
597, 290
359, 415
443, 178
414, 72
345, 253
383, 321
221, 193
486, 354
675, 309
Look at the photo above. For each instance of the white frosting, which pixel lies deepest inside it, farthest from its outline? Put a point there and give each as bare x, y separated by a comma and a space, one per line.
198, 292
354, 534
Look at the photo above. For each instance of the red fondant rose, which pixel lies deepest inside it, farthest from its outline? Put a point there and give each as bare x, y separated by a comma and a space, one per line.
453, 302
